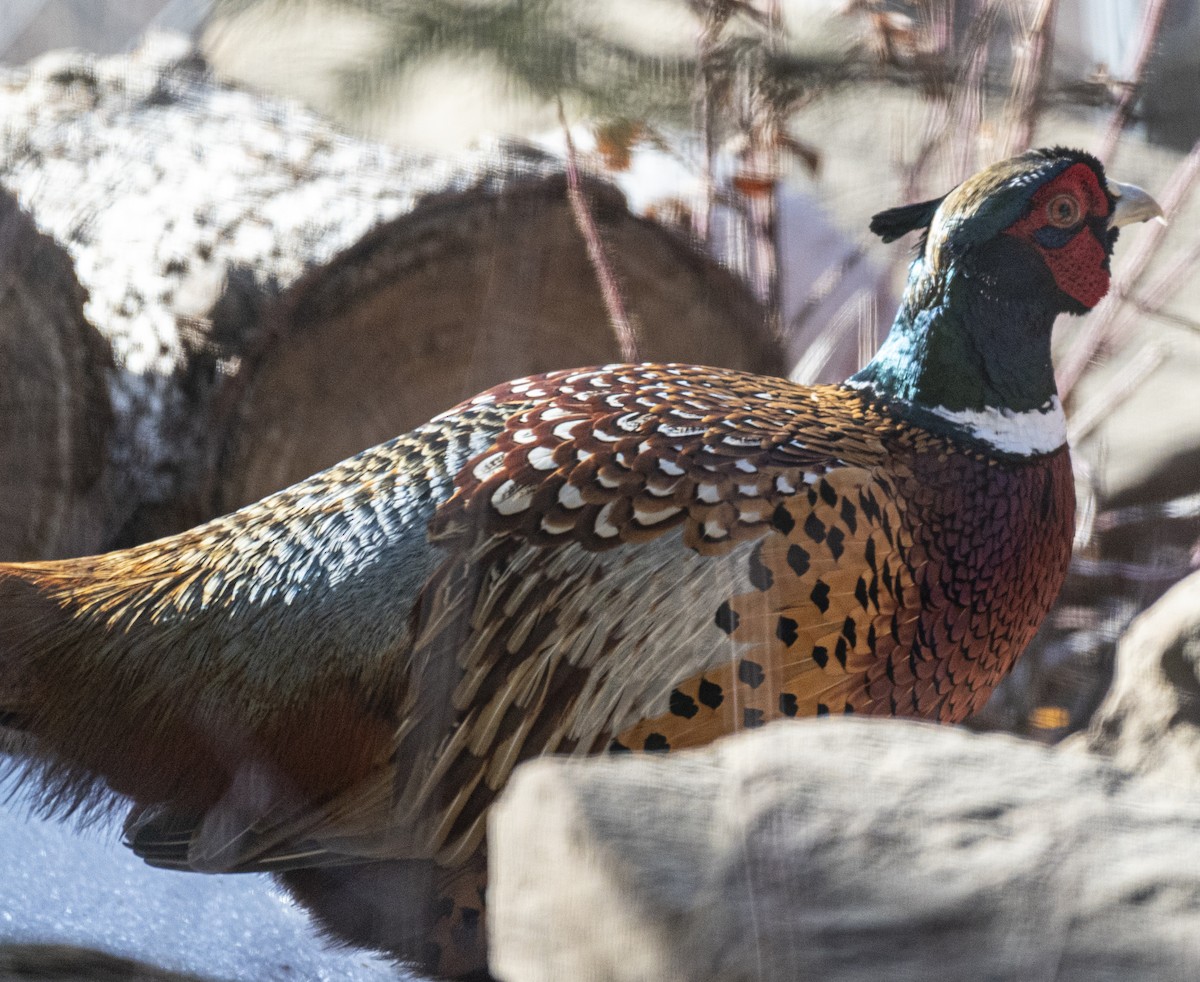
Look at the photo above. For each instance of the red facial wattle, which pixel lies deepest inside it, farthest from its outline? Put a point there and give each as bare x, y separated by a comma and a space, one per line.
1080, 264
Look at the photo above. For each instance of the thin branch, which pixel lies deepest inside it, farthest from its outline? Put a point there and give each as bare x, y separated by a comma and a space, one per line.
774, 24
706, 114
1032, 56
1184, 507
586, 223
1151, 310
822, 347
1087, 489
1123, 385
1152, 15
1156, 572
1110, 320
829, 280
945, 112
1178, 274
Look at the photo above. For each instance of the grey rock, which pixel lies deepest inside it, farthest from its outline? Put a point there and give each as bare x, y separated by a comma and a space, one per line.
1150, 720
845, 850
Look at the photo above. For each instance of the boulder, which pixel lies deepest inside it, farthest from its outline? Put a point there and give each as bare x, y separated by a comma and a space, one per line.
844, 850
1150, 720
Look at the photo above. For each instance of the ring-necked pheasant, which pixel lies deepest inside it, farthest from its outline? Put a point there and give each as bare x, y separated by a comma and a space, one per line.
334, 683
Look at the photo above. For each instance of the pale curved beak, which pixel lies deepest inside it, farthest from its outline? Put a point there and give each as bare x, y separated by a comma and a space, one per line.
1133, 205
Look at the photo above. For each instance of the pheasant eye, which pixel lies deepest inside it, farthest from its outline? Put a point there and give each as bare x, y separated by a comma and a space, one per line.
1063, 211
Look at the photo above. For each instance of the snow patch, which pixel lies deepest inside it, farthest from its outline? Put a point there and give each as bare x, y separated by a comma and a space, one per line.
82, 887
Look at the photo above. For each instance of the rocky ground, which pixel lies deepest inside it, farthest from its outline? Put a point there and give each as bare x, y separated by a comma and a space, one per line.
858, 850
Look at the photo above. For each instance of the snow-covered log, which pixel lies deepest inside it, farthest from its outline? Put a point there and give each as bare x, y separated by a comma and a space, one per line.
278, 295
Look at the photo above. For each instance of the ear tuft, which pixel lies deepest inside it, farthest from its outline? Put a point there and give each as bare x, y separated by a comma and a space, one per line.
891, 224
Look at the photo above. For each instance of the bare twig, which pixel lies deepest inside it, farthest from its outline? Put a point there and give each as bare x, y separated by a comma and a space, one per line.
1110, 320
1152, 15
946, 112
824, 285
584, 220
1087, 492
1184, 507
1122, 386
774, 24
1151, 310
1157, 572
1169, 281
758, 180
1031, 67
816, 355
706, 113
969, 114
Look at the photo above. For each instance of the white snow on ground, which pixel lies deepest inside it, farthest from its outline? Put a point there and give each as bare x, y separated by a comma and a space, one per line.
83, 888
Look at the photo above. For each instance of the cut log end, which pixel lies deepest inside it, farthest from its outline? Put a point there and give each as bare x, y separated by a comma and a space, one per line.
466, 292
55, 414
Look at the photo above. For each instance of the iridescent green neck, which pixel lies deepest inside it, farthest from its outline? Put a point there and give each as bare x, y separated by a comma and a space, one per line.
963, 340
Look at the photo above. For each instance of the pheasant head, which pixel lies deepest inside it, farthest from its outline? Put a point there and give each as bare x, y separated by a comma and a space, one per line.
1003, 254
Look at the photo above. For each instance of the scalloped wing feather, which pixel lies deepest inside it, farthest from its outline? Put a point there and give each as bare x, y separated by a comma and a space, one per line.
539, 635
256, 640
